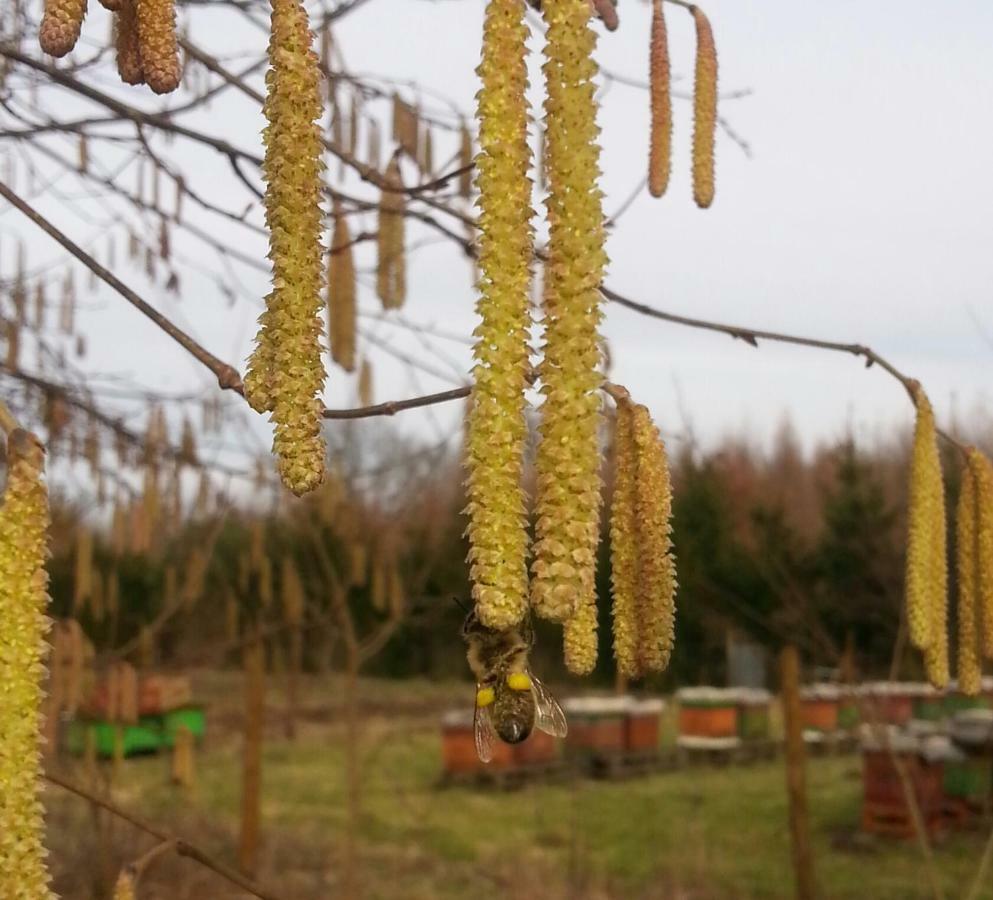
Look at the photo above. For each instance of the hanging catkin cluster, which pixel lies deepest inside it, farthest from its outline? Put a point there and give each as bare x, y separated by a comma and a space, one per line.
147, 50
496, 428
927, 567
286, 374
341, 293
23, 598
391, 263
568, 484
643, 567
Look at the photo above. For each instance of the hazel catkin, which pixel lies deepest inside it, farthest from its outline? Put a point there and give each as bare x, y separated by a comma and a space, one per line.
624, 551
24, 522
567, 502
704, 110
498, 540
982, 472
286, 373
966, 560
60, 26
391, 263
926, 565
341, 293
660, 145
129, 65
157, 36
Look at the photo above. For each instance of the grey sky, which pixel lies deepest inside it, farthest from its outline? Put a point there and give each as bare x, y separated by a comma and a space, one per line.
864, 215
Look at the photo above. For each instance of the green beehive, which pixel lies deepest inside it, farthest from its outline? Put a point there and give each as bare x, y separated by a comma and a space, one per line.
143, 737
192, 718
753, 713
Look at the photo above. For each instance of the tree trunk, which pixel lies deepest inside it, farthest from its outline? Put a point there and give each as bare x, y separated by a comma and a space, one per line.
251, 762
796, 775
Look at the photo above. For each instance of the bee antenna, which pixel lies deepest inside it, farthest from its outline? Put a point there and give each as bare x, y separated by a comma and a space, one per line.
460, 605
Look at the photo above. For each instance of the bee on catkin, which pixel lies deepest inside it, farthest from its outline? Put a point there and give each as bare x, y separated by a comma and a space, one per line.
926, 567
24, 522
60, 26
286, 372
498, 540
124, 888
341, 293
660, 145
157, 37
966, 560
129, 63
704, 111
567, 501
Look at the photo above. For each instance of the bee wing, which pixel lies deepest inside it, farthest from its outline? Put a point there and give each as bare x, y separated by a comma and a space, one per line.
550, 717
483, 733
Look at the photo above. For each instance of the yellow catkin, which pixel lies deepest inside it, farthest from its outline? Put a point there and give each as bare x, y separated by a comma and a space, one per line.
157, 36
624, 545
23, 598
366, 396
498, 540
656, 607
660, 144
341, 293
129, 64
391, 264
926, 567
286, 373
966, 559
983, 474
704, 111
60, 26
567, 503
124, 886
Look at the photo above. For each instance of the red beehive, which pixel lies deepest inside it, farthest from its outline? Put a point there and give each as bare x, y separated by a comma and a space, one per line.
819, 706
642, 725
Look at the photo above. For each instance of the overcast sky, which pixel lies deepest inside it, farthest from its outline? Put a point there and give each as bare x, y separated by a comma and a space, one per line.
863, 214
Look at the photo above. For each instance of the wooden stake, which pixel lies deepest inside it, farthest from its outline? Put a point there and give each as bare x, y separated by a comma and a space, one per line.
796, 775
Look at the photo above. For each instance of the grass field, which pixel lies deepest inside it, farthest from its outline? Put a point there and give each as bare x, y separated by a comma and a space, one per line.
700, 833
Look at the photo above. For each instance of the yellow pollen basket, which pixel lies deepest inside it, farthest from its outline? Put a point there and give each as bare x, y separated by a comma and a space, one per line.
484, 696
518, 681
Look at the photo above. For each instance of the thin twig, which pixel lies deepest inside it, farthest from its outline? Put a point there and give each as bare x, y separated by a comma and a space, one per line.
227, 376
183, 848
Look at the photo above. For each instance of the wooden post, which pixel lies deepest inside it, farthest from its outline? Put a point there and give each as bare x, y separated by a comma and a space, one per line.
796, 775
251, 761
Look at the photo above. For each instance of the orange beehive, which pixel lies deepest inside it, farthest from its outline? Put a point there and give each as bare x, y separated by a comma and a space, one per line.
458, 746
597, 724
819, 707
538, 748
642, 725
708, 712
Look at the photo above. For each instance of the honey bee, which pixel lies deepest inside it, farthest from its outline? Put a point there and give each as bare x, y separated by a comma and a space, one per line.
510, 700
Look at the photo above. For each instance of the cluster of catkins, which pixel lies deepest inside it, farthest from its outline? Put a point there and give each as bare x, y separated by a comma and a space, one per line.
927, 567
704, 108
568, 488
146, 38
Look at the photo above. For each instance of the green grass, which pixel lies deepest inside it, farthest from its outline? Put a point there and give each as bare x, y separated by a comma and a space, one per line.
700, 833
